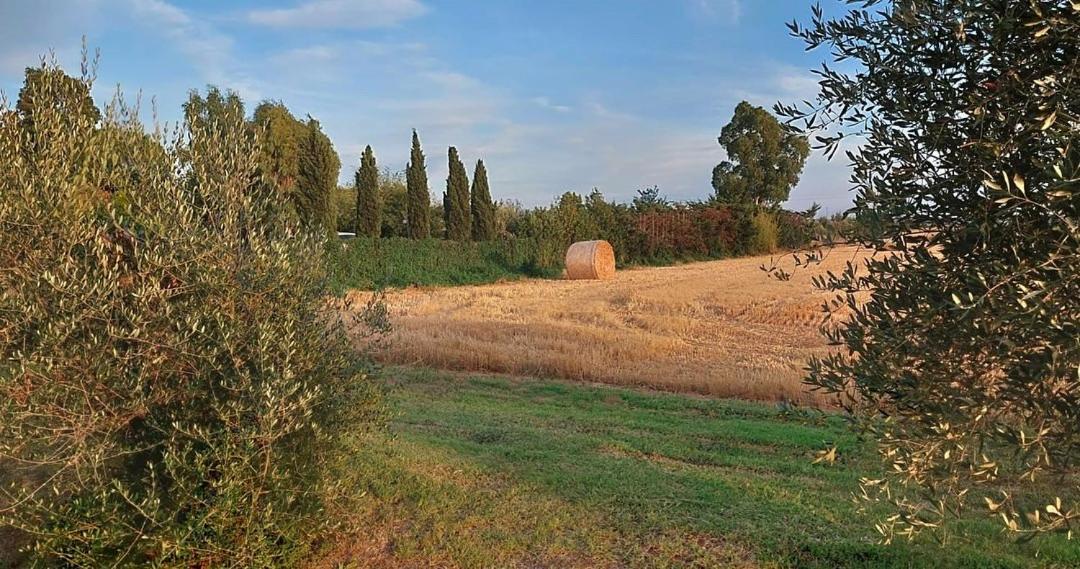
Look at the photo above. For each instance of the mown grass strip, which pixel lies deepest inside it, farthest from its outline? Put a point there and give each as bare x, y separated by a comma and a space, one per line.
486, 471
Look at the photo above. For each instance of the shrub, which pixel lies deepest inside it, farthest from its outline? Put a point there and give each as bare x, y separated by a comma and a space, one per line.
717, 226
795, 230
172, 375
766, 233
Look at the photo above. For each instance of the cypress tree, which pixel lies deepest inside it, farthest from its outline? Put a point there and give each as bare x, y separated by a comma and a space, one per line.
458, 216
418, 199
446, 214
368, 206
319, 166
483, 210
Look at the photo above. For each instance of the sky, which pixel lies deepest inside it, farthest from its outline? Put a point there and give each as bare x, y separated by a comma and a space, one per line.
554, 95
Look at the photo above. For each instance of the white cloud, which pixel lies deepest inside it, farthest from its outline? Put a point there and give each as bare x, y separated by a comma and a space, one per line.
209, 50
29, 30
730, 10
451, 80
351, 14
545, 103
162, 13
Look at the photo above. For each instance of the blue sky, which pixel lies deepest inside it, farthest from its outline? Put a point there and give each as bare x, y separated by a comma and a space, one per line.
554, 95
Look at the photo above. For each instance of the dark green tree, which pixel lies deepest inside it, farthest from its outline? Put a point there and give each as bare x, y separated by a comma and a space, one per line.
446, 207
393, 198
217, 107
288, 146
53, 104
764, 160
483, 209
319, 167
418, 211
368, 204
960, 337
281, 135
649, 199
456, 200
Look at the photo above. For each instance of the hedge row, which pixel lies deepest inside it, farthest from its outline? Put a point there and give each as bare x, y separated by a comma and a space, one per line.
660, 237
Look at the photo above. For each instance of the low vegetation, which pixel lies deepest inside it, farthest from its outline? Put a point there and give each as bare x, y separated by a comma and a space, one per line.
367, 264
482, 471
533, 243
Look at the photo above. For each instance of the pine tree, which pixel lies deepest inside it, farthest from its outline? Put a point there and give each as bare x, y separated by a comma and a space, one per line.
368, 206
458, 218
418, 208
483, 210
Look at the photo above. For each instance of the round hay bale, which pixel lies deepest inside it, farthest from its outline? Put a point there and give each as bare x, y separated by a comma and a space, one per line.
590, 260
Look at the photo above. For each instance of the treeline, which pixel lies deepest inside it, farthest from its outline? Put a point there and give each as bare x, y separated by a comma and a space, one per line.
532, 242
503, 239
389, 204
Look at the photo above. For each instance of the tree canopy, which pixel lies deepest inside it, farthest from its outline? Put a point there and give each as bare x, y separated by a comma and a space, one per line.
49, 92
960, 336
296, 158
318, 174
764, 159
456, 200
418, 210
368, 206
483, 209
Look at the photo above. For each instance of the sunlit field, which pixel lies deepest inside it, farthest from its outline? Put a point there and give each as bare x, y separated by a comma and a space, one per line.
722, 328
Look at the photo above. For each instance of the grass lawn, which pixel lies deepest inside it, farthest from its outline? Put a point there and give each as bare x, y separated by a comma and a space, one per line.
494, 472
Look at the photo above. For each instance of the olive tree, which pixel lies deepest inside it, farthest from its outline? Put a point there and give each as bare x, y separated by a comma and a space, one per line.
173, 375
961, 335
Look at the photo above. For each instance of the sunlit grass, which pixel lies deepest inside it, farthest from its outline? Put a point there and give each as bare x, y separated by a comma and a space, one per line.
495, 472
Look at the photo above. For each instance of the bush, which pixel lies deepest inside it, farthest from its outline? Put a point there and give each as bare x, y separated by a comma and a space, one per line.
795, 230
366, 263
766, 233
172, 375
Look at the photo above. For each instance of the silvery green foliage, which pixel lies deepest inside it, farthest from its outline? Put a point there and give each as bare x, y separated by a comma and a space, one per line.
172, 372
965, 357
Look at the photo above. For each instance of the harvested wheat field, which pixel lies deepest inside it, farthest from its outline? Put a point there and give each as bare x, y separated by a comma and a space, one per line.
721, 328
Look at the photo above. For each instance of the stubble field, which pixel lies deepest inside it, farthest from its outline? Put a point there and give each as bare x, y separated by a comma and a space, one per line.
721, 328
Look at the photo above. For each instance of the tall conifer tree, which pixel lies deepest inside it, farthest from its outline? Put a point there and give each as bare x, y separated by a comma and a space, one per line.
483, 209
319, 167
446, 214
418, 208
458, 215
368, 205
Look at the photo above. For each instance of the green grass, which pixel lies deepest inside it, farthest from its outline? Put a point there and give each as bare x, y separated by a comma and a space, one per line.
365, 263
483, 471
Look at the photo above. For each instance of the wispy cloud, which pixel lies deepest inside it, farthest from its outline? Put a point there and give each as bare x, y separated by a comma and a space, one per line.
729, 10
209, 49
347, 14
30, 29
545, 103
